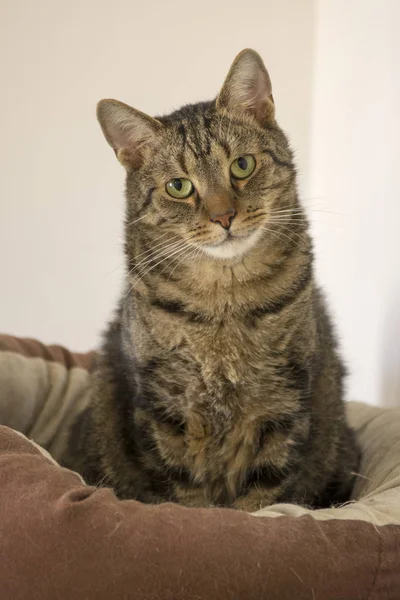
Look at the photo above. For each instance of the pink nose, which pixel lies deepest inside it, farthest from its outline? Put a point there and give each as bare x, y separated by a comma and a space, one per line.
225, 219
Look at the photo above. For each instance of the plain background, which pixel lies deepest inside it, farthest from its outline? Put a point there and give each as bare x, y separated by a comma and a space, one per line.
334, 65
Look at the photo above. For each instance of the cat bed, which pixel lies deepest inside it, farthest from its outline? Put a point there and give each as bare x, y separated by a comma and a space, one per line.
62, 539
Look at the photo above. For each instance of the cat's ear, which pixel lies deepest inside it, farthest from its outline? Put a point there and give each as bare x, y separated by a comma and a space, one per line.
247, 87
127, 130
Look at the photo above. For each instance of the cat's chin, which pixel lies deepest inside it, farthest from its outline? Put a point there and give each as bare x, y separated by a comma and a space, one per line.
234, 247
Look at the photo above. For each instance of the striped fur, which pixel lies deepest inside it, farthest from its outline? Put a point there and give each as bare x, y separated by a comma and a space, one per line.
219, 382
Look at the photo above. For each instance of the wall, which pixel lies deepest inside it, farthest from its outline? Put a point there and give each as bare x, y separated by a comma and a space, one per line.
61, 190
355, 140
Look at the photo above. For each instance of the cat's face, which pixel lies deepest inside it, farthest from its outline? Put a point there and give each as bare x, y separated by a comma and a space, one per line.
209, 174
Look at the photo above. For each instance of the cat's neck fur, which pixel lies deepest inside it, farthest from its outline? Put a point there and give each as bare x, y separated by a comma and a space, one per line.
228, 286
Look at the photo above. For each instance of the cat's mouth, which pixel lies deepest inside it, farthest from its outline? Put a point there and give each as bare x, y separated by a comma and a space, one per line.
227, 239
233, 245
231, 237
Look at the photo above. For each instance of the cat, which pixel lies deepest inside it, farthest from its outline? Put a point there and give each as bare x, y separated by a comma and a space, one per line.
219, 382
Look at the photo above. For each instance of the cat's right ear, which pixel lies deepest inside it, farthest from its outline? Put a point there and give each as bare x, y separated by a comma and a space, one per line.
247, 88
127, 130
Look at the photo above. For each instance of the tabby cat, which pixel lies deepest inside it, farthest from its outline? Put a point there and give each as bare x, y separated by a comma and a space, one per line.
219, 382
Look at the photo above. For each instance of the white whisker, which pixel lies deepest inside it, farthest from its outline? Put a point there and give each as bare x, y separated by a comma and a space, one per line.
305, 210
136, 220
189, 255
291, 221
279, 235
159, 244
141, 275
154, 254
282, 226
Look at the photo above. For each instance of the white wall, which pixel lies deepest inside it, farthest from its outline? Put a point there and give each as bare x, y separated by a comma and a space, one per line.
355, 154
60, 187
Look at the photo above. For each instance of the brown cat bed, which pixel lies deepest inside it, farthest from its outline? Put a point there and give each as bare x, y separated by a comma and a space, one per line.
62, 539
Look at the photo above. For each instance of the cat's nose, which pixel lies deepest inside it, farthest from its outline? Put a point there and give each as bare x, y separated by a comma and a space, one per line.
224, 219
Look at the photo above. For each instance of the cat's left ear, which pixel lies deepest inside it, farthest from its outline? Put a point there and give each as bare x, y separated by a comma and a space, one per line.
247, 87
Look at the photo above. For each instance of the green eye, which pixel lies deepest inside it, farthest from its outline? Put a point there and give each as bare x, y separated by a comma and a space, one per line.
180, 188
242, 167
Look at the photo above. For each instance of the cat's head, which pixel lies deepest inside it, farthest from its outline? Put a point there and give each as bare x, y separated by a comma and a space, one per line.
211, 174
